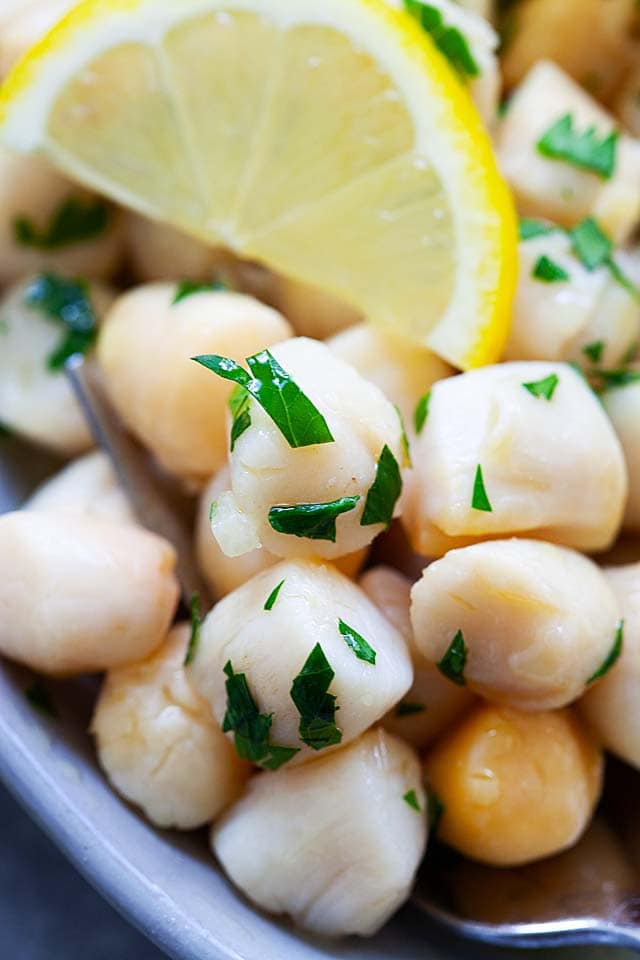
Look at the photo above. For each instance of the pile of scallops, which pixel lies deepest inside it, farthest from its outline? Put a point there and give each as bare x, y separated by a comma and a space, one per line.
419, 628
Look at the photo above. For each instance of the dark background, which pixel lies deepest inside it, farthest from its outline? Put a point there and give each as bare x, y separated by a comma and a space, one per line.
47, 911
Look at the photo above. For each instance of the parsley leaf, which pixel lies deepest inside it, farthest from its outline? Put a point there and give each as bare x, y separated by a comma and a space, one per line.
187, 288
316, 707
421, 412
590, 244
435, 808
239, 404
480, 500
610, 379
543, 388
449, 40
66, 302
384, 491
74, 221
273, 596
355, 642
612, 656
549, 271
196, 623
454, 661
407, 709
298, 419
5, 431
411, 798
404, 440
315, 521
40, 699
251, 729
584, 150
593, 351
529, 228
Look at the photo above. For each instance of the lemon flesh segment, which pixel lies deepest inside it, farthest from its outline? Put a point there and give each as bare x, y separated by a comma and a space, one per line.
327, 138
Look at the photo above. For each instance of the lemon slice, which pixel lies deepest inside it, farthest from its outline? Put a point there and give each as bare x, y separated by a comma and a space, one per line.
326, 138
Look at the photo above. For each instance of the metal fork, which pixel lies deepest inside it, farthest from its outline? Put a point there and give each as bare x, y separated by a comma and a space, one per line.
588, 895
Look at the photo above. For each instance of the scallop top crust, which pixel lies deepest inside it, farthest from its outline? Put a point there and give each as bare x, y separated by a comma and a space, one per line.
271, 647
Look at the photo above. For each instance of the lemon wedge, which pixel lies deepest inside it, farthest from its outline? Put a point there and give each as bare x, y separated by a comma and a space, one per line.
327, 138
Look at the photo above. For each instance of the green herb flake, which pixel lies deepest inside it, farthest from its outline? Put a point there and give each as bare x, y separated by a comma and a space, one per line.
421, 412
384, 492
196, 624
298, 419
407, 709
584, 150
620, 276
65, 302
251, 729
612, 656
529, 229
543, 388
454, 661
593, 351
404, 440
40, 699
590, 244
313, 521
357, 643
316, 707
5, 431
273, 596
449, 40
74, 221
435, 808
411, 799
612, 379
548, 271
212, 510
187, 288
239, 404
480, 500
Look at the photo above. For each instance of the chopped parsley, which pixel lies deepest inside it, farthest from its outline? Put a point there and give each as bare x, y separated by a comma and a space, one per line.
384, 492
593, 351
74, 221
610, 379
239, 404
316, 707
407, 709
421, 412
196, 624
543, 388
5, 431
273, 596
549, 271
411, 799
529, 228
187, 288
355, 642
591, 245
479, 499
65, 302
251, 729
40, 699
298, 419
435, 808
612, 656
314, 521
449, 40
584, 150
404, 440
454, 661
